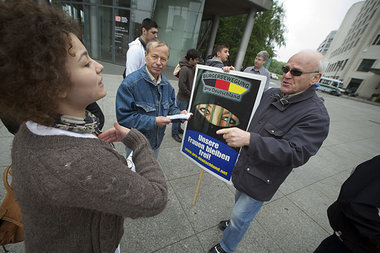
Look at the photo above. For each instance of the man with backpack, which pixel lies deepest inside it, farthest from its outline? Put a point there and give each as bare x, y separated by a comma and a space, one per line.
185, 84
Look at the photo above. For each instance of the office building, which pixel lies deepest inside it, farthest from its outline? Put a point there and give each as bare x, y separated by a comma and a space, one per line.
354, 54
325, 45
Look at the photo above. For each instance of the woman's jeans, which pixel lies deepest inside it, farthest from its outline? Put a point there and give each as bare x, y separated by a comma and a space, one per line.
243, 213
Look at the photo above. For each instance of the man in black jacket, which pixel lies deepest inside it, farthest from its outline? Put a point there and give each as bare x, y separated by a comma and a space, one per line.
355, 215
288, 127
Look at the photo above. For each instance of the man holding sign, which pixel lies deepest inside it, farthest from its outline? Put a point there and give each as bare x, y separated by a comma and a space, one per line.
289, 127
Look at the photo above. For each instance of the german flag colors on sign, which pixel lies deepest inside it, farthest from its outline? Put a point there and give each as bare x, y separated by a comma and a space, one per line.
225, 85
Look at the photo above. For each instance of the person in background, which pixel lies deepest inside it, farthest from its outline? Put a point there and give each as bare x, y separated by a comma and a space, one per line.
10, 123
95, 109
258, 67
145, 97
355, 215
135, 57
185, 84
289, 126
220, 57
73, 188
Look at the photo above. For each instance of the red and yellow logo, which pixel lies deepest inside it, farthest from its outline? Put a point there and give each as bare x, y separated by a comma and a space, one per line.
225, 85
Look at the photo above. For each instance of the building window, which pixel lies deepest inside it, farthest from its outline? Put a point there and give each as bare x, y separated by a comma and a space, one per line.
366, 65
373, 12
344, 64
356, 42
377, 40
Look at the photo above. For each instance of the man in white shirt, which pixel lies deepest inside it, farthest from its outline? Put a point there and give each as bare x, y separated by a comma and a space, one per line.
135, 57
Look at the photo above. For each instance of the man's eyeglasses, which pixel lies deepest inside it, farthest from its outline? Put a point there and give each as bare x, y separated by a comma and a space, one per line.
156, 57
295, 72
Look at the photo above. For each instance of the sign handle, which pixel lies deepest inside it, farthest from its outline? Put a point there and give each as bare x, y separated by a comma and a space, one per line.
197, 188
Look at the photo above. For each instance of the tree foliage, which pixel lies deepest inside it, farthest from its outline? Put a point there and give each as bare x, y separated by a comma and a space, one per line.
267, 32
276, 66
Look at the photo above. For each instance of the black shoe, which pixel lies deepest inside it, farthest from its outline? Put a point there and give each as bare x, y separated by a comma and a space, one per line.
180, 131
177, 138
223, 224
217, 249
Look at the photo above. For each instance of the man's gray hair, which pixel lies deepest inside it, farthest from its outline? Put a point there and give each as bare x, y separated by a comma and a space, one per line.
263, 54
157, 43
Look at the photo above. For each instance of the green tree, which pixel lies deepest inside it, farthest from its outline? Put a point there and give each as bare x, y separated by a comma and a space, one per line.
276, 66
267, 32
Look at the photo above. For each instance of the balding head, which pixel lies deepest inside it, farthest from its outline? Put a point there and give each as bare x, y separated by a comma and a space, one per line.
310, 63
312, 59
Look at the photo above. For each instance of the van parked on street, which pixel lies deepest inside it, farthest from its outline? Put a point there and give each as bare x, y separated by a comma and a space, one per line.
332, 86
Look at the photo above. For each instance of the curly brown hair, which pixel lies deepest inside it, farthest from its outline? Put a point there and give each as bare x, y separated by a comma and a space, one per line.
34, 45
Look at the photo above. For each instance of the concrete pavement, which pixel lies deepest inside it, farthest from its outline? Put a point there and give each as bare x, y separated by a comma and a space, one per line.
294, 220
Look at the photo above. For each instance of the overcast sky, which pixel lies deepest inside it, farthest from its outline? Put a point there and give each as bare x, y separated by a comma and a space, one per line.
308, 22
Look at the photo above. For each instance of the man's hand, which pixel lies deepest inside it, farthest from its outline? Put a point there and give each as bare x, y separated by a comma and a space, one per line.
235, 137
228, 68
184, 112
162, 121
117, 133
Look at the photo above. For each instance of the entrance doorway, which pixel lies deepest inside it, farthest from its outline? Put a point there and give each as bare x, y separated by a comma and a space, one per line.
105, 30
353, 85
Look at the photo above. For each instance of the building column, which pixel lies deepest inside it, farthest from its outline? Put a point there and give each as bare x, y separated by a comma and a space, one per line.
94, 30
214, 29
245, 39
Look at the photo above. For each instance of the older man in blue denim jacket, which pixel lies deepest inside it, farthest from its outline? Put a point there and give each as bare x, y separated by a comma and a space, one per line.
145, 97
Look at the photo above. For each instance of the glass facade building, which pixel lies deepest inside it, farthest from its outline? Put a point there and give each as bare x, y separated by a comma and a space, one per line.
109, 25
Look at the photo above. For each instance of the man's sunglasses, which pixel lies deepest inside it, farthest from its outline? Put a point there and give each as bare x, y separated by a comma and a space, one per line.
295, 72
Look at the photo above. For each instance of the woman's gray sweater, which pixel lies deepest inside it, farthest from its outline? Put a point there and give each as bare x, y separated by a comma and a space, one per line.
74, 192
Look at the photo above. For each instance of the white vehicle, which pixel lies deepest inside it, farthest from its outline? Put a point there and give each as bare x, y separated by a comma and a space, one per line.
273, 76
332, 86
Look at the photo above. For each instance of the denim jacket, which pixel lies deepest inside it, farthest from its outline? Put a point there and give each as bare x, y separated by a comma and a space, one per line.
139, 101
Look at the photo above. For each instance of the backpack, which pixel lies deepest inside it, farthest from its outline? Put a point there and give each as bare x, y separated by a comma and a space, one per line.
11, 228
176, 70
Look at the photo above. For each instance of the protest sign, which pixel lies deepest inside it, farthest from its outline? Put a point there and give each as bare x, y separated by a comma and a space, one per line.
219, 100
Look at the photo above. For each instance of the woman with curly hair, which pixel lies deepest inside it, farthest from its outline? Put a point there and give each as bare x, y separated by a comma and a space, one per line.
73, 188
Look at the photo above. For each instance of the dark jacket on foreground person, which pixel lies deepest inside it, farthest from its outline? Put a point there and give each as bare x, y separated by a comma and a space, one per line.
355, 215
284, 137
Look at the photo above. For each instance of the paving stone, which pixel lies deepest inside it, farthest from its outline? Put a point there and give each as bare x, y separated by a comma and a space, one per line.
154, 233
290, 227
188, 245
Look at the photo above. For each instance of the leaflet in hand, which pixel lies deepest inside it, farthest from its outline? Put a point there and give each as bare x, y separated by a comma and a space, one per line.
179, 116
